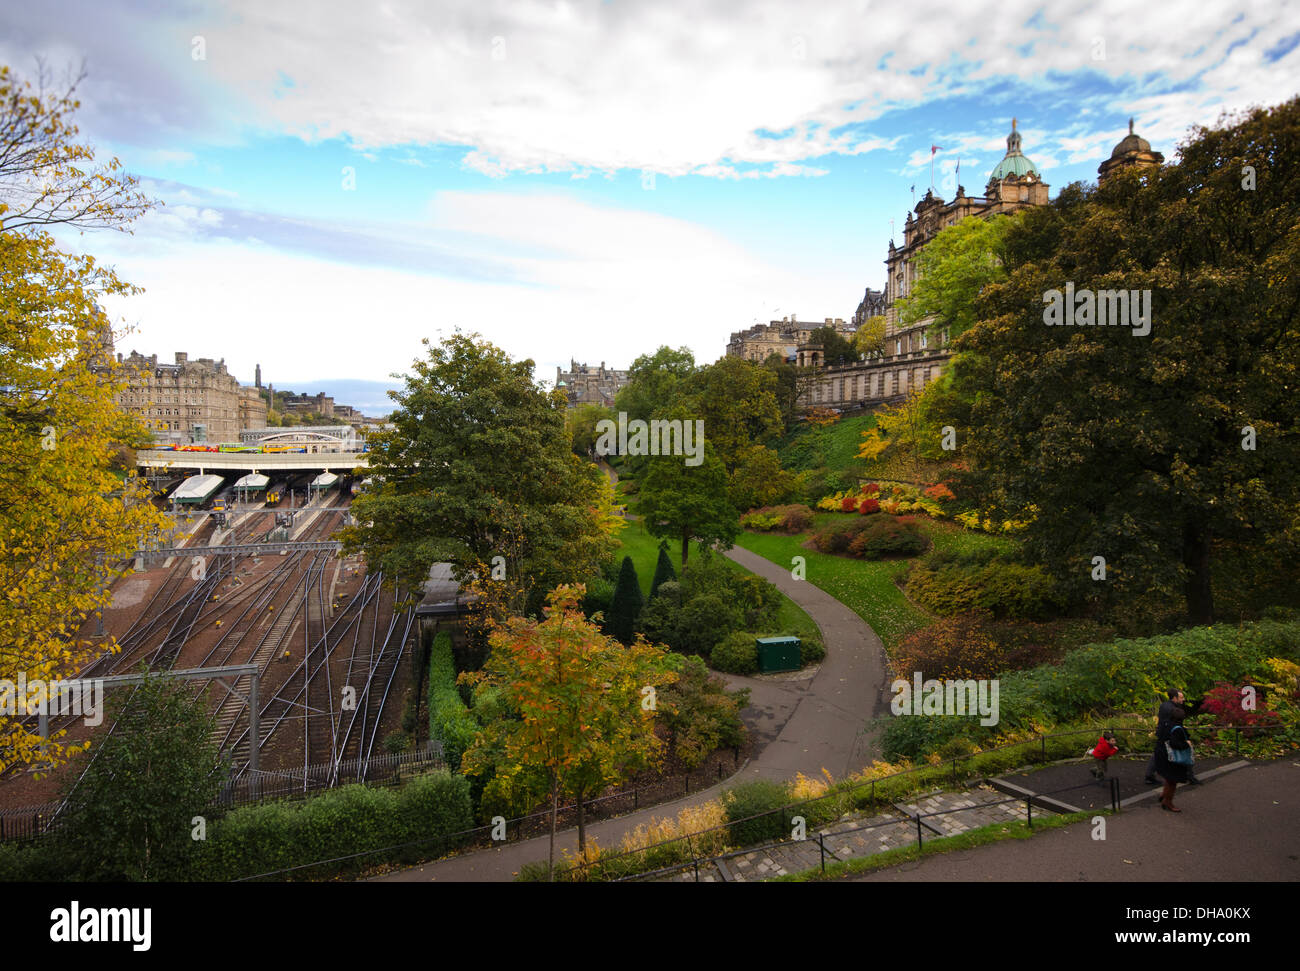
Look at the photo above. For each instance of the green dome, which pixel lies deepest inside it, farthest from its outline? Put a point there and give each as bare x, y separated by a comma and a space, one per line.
1014, 165
1014, 162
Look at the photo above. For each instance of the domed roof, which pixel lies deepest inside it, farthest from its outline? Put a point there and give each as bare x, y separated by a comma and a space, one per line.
1131, 143
1014, 162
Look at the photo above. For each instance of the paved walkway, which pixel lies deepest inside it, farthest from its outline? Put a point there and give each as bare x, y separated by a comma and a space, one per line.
1242, 825
800, 726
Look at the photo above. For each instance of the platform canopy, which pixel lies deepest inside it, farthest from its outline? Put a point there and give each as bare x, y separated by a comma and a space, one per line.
252, 481
197, 488
324, 480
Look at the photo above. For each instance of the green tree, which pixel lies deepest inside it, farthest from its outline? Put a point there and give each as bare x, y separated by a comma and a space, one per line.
759, 480
787, 387
737, 400
130, 814
584, 719
479, 471
664, 572
836, 349
581, 423
626, 605
1146, 450
701, 714
953, 269
682, 502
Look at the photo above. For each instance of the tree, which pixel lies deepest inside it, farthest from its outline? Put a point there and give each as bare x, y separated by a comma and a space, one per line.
45, 173
737, 400
701, 714
130, 814
682, 502
836, 349
953, 269
869, 339
581, 424
626, 605
70, 513
478, 471
1147, 450
585, 706
787, 387
759, 479
664, 572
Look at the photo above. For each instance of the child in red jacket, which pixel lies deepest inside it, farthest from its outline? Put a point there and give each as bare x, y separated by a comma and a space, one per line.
1102, 751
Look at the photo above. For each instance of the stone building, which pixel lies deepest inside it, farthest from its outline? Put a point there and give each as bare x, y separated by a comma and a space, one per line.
189, 401
914, 357
252, 408
587, 385
873, 304
782, 337
1133, 151
321, 403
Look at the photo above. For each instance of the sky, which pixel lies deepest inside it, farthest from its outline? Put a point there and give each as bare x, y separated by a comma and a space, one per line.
584, 180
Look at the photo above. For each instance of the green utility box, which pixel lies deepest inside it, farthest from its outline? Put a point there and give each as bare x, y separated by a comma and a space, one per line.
778, 654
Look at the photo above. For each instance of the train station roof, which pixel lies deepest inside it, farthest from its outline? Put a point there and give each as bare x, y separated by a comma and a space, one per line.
197, 487
324, 480
254, 480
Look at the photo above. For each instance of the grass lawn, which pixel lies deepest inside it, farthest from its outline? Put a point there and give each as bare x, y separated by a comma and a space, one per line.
644, 550
867, 587
807, 446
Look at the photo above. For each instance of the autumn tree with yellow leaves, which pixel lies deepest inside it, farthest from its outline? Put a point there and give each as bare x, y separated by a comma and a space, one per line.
69, 514
583, 709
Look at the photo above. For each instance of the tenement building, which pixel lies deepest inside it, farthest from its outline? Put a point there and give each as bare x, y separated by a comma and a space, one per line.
587, 385
915, 355
189, 401
782, 337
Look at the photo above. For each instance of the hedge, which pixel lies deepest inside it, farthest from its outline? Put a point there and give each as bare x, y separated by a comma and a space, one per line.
274, 836
271, 836
449, 720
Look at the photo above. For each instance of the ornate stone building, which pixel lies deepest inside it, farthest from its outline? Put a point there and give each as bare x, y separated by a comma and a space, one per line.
189, 401
587, 385
780, 337
913, 356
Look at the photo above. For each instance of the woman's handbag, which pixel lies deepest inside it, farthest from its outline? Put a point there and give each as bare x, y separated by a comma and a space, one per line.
1179, 756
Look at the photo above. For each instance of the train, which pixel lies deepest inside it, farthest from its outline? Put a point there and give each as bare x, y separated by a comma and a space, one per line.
253, 449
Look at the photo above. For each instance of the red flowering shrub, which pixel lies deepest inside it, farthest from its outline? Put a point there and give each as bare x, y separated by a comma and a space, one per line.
849, 503
940, 492
868, 506
871, 489
1225, 702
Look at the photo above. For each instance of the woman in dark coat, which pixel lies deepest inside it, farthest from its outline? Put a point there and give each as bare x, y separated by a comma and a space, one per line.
1175, 734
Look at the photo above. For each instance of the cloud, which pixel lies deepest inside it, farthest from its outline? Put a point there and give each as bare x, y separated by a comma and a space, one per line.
572, 279
674, 87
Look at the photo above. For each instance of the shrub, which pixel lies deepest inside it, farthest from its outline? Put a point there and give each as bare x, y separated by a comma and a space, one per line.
878, 538
1002, 587
762, 798
449, 720
598, 596
339, 823
868, 506
700, 714
736, 654
848, 503
664, 572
